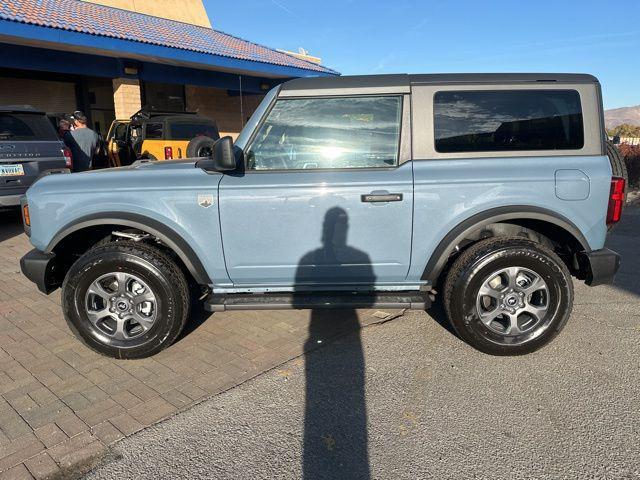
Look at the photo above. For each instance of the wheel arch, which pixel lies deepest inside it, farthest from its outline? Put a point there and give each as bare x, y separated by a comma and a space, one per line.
529, 217
169, 237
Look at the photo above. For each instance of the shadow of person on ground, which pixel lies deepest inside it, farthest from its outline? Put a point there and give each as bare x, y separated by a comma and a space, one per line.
10, 223
335, 441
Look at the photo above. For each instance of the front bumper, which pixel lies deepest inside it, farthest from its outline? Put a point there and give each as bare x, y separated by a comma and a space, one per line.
600, 266
41, 269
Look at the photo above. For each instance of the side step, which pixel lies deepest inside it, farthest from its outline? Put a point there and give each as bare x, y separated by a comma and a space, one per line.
302, 301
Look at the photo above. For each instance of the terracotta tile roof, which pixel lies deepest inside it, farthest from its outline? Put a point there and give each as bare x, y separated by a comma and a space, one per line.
99, 20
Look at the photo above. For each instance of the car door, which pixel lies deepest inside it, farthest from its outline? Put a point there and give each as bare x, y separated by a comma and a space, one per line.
326, 198
117, 144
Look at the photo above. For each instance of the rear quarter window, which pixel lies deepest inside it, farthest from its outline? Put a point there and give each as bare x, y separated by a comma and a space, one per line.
507, 120
153, 131
26, 127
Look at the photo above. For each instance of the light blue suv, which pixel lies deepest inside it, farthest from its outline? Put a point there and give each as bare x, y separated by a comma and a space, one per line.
373, 191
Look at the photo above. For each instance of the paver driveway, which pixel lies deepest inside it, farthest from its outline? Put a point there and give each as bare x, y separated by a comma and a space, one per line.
61, 404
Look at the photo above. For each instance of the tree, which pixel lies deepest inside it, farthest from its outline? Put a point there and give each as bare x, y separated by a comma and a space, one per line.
625, 130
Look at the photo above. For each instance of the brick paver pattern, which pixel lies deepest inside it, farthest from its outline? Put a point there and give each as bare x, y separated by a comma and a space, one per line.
62, 405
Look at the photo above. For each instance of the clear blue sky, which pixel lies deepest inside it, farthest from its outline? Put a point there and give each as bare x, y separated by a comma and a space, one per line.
409, 36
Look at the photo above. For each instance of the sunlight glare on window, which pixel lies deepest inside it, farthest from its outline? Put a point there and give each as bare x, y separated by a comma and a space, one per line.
331, 153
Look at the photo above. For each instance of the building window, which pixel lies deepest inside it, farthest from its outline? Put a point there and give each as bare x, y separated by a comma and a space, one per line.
508, 120
165, 97
321, 133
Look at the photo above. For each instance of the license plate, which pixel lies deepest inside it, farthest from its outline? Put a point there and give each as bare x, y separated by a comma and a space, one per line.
11, 170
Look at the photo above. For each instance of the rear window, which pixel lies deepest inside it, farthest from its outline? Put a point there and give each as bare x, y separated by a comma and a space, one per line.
26, 127
507, 120
187, 131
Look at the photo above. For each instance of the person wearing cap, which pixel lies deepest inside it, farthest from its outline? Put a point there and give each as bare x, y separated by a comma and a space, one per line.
82, 141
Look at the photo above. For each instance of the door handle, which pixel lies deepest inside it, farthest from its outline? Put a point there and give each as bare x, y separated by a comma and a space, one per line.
381, 197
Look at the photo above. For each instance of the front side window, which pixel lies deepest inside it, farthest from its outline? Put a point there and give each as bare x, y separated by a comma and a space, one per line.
507, 120
120, 132
320, 133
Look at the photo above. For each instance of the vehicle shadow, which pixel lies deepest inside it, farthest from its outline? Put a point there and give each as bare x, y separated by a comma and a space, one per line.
437, 312
10, 224
335, 443
197, 317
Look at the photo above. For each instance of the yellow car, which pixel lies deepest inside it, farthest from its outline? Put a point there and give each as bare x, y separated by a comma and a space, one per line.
158, 136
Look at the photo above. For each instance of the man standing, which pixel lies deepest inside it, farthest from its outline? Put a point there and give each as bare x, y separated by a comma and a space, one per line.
83, 142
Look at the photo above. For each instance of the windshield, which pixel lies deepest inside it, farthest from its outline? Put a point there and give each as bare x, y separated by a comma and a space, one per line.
251, 125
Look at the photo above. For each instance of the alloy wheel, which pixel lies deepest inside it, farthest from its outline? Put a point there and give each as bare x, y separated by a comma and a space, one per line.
121, 306
513, 301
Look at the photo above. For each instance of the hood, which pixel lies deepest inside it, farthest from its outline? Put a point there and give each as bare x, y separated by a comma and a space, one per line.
148, 165
138, 177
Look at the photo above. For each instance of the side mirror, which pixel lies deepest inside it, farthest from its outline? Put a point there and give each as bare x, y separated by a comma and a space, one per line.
220, 155
223, 157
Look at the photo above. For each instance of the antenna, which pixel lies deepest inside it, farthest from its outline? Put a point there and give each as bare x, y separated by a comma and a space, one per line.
241, 109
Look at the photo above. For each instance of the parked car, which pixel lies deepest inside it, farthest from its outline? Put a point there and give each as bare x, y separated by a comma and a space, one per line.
489, 191
29, 147
156, 135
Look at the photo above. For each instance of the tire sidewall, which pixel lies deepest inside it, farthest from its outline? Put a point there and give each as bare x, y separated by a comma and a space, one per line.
89, 268
464, 313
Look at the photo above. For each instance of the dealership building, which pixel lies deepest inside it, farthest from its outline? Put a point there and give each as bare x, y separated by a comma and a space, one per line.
111, 57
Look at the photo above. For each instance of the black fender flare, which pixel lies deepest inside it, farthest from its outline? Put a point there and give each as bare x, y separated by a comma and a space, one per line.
442, 252
149, 225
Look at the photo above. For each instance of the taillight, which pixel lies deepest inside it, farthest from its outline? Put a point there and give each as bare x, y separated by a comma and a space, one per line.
25, 215
68, 159
616, 200
168, 153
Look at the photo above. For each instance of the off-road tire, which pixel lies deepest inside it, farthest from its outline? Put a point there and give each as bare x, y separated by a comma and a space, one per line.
200, 147
477, 263
150, 264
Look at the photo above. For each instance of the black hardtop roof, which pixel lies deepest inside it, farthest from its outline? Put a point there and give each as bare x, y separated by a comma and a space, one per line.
405, 80
177, 116
20, 109
161, 116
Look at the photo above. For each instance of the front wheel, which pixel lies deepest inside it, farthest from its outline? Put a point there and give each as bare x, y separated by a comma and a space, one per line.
508, 296
125, 299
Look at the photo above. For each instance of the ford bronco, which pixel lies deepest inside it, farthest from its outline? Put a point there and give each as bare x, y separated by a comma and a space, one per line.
488, 190
154, 135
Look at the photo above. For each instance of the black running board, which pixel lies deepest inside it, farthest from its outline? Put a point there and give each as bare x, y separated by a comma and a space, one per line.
302, 301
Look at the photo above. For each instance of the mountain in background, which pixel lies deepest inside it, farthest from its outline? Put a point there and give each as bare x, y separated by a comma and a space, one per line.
618, 116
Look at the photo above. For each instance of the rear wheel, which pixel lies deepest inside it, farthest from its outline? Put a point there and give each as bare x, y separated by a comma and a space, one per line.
125, 300
508, 296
